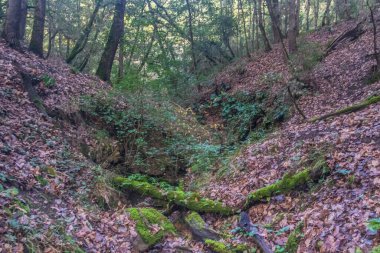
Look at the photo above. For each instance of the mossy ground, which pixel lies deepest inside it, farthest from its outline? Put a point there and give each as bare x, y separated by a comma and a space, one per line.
294, 239
147, 217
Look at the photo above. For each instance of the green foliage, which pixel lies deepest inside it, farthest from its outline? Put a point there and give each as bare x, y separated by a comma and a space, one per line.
49, 81
221, 247
374, 224
272, 78
294, 239
376, 249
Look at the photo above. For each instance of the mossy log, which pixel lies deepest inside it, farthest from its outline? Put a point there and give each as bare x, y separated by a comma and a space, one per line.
151, 225
199, 227
189, 200
221, 247
353, 108
288, 183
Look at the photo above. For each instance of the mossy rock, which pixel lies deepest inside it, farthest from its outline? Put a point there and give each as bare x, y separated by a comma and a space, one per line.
220, 247
289, 183
145, 219
199, 227
189, 200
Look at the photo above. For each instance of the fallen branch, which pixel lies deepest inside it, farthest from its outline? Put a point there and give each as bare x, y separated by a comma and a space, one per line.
246, 224
349, 109
350, 35
189, 200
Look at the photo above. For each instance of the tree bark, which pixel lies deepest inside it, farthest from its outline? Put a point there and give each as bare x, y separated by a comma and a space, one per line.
274, 12
11, 32
292, 34
23, 15
117, 29
83, 39
307, 15
267, 45
37, 41
316, 14
326, 15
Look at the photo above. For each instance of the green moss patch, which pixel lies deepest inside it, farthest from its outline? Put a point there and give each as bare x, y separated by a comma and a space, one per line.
289, 183
189, 200
220, 247
147, 221
294, 239
353, 108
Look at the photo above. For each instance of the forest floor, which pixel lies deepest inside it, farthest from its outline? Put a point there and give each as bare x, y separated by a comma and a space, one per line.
47, 187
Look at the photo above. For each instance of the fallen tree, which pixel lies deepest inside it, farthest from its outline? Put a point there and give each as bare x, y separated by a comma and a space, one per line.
189, 200
288, 183
353, 108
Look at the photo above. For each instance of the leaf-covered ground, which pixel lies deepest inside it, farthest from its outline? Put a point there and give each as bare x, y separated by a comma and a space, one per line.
335, 212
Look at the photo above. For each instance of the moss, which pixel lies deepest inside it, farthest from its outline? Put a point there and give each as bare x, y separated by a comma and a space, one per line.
145, 218
217, 247
189, 200
376, 249
294, 239
288, 183
220, 247
196, 220
349, 109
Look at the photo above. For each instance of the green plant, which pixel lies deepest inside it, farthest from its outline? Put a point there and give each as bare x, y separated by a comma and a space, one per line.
49, 81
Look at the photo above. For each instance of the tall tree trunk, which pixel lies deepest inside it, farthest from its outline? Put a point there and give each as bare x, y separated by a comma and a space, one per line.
261, 26
23, 15
292, 34
191, 35
11, 32
83, 39
257, 43
316, 14
274, 12
326, 15
117, 29
244, 29
37, 41
307, 15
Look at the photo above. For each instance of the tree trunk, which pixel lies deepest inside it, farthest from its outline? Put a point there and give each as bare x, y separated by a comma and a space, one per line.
261, 26
307, 15
191, 36
117, 29
274, 12
120, 74
326, 15
83, 39
23, 15
292, 34
11, 32
316, 14
37, 41
244, 29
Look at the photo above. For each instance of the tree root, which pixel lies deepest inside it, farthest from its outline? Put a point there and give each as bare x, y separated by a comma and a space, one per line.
353, 108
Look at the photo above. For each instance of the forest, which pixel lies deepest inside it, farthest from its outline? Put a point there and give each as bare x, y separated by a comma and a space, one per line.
218, 126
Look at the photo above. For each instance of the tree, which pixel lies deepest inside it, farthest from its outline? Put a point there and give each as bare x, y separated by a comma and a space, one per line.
83, 39
292, 34
117, 29
261, 26
274, 12
23, 15
37, 41
11, 32
326, 15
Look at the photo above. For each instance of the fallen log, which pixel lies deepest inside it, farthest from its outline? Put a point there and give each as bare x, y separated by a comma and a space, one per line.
288, 183
353, 108
350, 36
199, 228
189, 200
